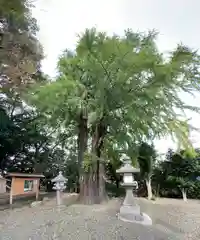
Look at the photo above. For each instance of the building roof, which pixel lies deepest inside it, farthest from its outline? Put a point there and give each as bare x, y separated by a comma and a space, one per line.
36, 175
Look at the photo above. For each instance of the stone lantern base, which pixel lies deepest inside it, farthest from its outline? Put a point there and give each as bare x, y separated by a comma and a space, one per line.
130, 210
127, 214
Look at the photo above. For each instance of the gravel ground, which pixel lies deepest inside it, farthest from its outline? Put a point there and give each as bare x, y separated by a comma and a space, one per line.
99, 222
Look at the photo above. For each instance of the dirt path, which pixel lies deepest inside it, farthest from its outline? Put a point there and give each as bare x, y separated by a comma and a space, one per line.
99, 222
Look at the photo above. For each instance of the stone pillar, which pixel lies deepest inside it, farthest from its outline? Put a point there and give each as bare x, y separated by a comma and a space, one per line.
58, 198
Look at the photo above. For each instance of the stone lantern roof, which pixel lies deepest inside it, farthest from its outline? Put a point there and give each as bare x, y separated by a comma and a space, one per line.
59, 178
128, 168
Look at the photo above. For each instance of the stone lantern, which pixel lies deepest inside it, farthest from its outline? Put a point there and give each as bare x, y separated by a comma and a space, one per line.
130, 210
59, 186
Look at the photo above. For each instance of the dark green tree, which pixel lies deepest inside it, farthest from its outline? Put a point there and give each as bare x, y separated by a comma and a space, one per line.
183, 170
146, 159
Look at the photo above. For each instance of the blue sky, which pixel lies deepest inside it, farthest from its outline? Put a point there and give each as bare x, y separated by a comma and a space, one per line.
177, 21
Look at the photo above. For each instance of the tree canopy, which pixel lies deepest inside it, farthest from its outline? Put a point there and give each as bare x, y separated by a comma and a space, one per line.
124, 80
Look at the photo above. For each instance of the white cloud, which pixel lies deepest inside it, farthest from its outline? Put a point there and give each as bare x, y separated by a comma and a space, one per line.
61, 20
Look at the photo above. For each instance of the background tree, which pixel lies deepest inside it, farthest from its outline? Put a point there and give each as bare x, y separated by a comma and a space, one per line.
183, 171
20, 54
146, 159
160, 183
20, 51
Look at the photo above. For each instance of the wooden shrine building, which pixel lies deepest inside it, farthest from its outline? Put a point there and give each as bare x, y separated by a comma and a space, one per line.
24, 184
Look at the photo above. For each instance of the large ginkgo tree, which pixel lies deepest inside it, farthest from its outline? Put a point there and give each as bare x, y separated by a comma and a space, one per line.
118, 87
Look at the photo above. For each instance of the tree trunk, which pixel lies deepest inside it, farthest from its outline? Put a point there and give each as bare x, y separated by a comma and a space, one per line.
149, 188
88, 193
99, 132
117, 183
102, 184
82, 138
82, 147
98, 145
92, 184
184, 194
158, 190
